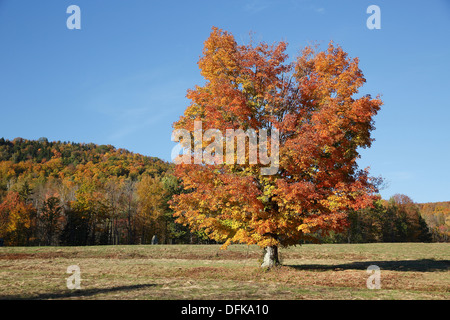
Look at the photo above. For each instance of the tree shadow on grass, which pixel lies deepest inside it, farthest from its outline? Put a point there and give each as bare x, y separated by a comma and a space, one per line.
77, 293
422, 265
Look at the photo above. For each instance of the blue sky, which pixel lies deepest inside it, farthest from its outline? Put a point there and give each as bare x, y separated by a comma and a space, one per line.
122, 78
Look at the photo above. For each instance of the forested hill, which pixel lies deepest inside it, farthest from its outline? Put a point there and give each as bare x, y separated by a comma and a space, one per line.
437, 217
77, 194
57, 159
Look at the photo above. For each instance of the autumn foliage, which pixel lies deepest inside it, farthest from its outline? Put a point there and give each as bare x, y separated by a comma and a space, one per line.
312, 102
16, 218
62, 193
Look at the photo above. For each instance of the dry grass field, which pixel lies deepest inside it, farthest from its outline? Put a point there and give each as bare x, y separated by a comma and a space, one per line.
196, 272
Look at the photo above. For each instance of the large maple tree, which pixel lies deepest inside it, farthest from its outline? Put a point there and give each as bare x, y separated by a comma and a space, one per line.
320, 123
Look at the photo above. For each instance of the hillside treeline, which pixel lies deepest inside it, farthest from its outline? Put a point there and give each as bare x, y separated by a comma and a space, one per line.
397, 220
62, 193
437, 217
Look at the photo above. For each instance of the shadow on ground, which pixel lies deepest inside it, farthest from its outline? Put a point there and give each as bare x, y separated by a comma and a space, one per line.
77, 293
423, 265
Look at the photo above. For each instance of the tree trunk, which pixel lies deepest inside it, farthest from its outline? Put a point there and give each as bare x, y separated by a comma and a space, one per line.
270, 257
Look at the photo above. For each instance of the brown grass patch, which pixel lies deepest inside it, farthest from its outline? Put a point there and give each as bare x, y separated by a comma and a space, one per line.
205, 272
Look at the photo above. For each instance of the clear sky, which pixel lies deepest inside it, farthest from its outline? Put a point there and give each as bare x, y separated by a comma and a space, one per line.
122, 78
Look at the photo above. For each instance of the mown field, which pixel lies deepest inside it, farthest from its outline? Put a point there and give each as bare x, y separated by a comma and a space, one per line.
334, 271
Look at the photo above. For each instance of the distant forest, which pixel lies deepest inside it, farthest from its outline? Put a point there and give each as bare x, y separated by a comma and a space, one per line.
76, 194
